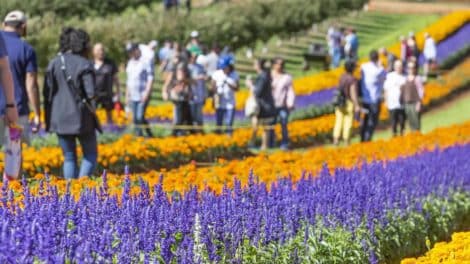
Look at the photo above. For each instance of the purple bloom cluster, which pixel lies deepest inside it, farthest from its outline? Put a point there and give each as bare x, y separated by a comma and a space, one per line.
98, 226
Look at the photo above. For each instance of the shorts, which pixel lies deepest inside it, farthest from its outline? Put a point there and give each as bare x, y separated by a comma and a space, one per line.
105, 102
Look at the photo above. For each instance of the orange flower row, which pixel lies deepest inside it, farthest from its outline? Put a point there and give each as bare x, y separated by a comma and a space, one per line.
455, 251
269, 168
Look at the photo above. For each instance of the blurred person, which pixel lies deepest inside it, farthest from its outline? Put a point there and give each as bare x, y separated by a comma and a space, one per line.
372, 79
24, 69
199, 90
179, 93
430, 53
412, 93
212, 59
165, 51
262, 91
194, 41
105, 79
387, 59
68, 91
139, 88
10, 116
392, 90
148, 52
284, 99
351, 46
411, 47
225, 82
403, 49
333, 39
345, 113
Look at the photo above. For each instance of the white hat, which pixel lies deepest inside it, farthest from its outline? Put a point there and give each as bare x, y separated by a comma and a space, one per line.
153, 43
15, 16
194, 34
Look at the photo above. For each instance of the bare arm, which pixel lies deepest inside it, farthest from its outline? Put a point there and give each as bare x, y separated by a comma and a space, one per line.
32, 89
8, 90
166, 85
354, 96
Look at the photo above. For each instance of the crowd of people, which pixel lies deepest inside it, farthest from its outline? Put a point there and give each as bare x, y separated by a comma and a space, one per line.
74, 85
343, 44
384, 77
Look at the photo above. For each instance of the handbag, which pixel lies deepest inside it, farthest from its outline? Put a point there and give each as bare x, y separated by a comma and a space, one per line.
251, 107
84, 103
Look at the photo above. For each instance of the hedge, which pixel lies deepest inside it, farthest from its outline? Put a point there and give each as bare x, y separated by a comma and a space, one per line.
235, 25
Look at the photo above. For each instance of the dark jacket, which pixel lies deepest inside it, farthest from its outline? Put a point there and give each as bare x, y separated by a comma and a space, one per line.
264, 95
65, 113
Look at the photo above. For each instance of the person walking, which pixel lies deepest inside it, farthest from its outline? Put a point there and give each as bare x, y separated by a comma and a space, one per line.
430, 53
7, 107
225, 82
68, 91
105, 79
262, 92
351, 46
392, 90
139, 88
372, 79
345, 111
24, 68
412, 93
179, 93
284, 99
199, 91
333, 39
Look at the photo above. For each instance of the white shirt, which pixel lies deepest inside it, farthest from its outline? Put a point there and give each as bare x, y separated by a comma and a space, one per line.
226, 94
430, 51
392, 87
373, 77
212, 59
139, 72
147, 53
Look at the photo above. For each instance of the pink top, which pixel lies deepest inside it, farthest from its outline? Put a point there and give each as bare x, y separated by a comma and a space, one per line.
283, 91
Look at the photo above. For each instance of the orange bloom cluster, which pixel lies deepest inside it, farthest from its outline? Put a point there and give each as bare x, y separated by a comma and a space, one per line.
145, 154
269, 168
323, 80
456, 251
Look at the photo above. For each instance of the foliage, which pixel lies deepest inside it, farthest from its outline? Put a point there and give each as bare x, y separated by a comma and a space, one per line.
68, 8
260, 20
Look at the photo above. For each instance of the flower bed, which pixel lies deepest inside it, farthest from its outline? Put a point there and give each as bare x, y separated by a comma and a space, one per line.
374, 212
455, 251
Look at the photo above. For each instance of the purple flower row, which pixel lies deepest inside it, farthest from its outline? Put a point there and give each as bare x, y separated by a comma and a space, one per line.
98, 228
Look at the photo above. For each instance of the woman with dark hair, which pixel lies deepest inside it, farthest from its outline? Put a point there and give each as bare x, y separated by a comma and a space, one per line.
345, 108
69, 88
262, 92
180, 92
412, 93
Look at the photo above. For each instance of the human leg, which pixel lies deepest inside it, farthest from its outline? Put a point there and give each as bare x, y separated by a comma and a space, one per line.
68, 145
90, 154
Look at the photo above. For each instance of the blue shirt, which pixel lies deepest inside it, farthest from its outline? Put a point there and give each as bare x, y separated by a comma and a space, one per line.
23, 60
3, 49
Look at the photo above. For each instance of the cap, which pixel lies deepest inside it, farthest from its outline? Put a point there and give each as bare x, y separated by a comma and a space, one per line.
15, 16
131, 47
225, 62
194, 34
153, 43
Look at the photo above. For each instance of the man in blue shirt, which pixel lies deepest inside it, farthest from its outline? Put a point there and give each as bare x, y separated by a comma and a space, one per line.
372, 80
23, 65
